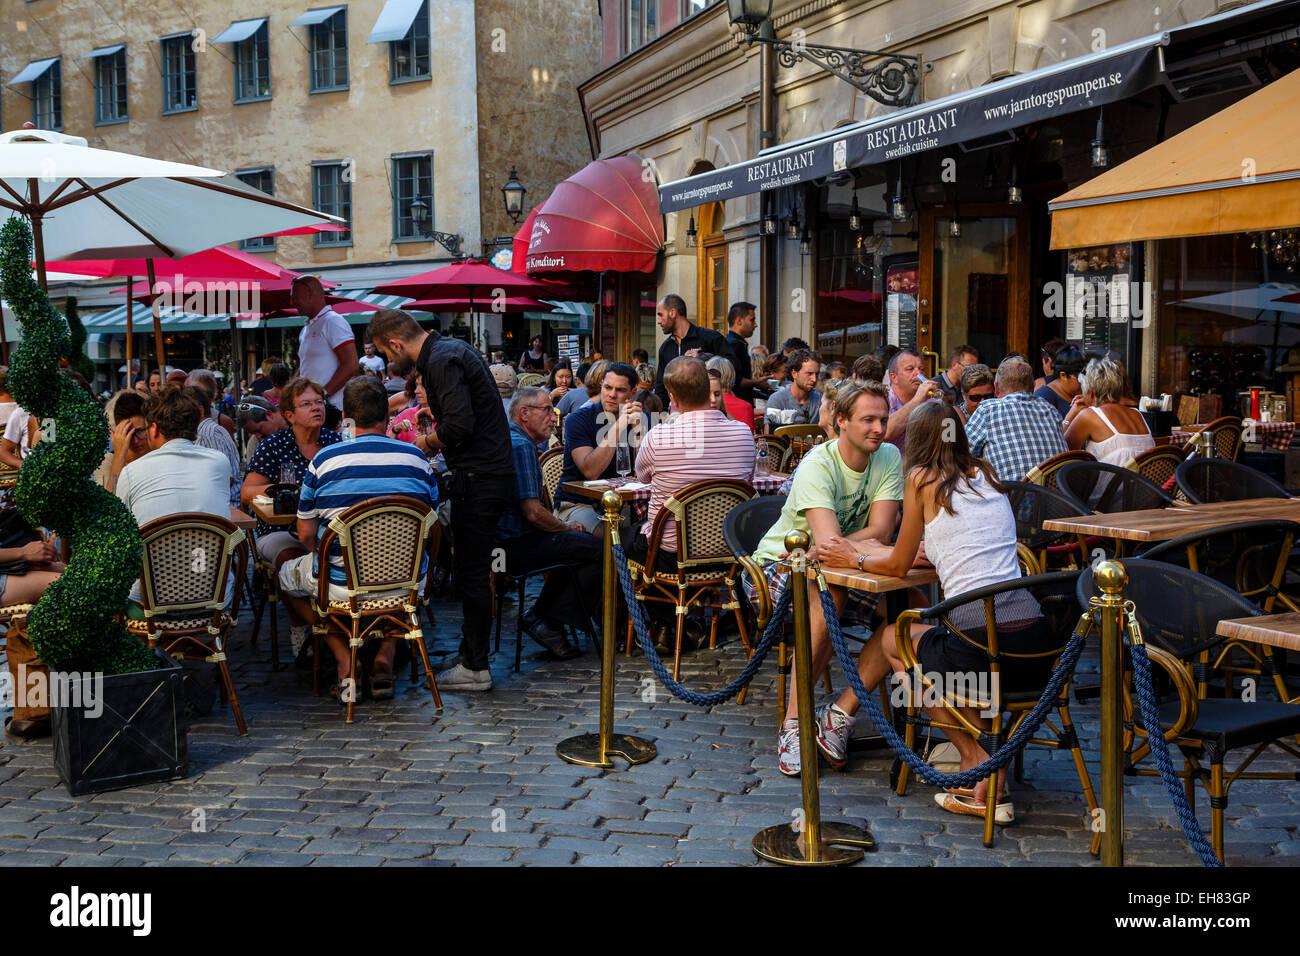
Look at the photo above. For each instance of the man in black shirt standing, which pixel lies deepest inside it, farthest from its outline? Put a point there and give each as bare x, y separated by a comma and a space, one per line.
684, 338
740, 326
474, 438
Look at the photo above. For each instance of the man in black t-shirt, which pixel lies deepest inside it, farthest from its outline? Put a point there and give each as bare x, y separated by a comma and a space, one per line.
474, 438
684, 338
740, 326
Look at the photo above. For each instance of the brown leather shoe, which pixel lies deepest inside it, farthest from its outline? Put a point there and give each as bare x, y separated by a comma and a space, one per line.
33, 729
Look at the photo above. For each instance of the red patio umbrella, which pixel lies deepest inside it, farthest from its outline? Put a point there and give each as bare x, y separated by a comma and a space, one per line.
511, 305
474, 280
307, 230
220, 263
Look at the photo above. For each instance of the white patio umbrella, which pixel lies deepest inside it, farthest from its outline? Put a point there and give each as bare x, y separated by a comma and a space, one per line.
86, 203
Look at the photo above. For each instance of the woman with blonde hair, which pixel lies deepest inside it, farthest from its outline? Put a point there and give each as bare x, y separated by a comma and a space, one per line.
1100, 422
725, 399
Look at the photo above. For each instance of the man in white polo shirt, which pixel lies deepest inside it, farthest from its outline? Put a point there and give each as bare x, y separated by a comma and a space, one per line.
327, 349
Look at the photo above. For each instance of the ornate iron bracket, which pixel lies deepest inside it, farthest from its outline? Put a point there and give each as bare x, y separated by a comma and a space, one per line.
893, 81
448, 241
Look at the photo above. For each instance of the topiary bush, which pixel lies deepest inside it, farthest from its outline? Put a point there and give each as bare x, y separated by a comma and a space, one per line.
77, 358
73, 627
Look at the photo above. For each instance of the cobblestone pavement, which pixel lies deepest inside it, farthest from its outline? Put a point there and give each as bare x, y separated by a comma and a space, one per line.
480, 783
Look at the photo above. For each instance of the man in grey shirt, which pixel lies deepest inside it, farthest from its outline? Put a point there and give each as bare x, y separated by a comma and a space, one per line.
797, 403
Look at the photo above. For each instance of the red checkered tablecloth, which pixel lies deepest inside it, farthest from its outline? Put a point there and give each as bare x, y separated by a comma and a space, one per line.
1275, 436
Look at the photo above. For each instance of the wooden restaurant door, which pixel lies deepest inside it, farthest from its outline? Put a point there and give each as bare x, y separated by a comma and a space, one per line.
974, 287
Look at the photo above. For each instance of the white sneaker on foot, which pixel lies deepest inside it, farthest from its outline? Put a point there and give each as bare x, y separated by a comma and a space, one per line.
834, 728
787, 749
461, 677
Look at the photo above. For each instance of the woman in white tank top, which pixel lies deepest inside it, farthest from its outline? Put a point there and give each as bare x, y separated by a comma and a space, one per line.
955, 503
1109, 430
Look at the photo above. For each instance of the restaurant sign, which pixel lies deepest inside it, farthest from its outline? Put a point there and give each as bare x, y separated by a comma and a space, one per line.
959, 118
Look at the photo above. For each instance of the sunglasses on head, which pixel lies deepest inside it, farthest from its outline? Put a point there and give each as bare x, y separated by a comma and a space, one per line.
256, 412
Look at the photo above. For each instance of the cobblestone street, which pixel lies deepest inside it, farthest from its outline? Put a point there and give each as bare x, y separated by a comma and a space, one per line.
481, 784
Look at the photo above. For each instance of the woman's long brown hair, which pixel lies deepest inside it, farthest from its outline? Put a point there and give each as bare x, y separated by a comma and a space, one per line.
943, 453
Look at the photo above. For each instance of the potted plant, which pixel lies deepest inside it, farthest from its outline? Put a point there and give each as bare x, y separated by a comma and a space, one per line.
118, 719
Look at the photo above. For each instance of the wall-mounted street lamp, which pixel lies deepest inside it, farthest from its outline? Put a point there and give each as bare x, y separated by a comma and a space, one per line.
692, 236
419, 210
1100, 154
513, 193
888, 78
855, 215
897, 208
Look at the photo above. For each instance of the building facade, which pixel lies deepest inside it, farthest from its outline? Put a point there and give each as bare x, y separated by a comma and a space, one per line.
404, 117
945, 242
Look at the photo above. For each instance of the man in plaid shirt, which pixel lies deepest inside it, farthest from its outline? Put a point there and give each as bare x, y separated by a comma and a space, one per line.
1017, 430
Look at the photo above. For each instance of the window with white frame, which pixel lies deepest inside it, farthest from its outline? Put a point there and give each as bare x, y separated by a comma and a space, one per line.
327, 44
253, 67
331, 193
179, 74
412, 184
408, 58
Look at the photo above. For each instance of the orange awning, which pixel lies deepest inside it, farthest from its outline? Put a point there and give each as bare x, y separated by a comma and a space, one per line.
1198, 183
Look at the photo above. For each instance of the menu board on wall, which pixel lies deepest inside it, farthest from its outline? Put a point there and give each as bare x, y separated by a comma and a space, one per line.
1098, 304
901, 289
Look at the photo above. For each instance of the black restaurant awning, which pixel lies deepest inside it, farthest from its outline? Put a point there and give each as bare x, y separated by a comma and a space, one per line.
1080, 83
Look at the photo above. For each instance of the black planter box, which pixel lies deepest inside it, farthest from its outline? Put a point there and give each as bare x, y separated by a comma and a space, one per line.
137, 738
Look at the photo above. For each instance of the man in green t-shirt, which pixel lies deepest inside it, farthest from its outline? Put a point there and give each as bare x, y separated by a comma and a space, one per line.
843, 493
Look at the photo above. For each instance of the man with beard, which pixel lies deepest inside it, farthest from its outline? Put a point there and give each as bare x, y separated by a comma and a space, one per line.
474, 437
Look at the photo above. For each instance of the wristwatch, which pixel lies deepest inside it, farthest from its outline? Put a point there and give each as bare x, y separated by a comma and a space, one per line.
860, 557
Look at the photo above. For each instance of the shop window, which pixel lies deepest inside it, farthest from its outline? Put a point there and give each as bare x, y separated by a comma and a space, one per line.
331, 192
412, 181
253, 67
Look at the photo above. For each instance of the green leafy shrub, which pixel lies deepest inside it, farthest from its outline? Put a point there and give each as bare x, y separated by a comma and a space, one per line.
74, 626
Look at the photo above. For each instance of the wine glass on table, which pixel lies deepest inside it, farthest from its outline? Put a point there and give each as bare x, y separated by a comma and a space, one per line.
623, 461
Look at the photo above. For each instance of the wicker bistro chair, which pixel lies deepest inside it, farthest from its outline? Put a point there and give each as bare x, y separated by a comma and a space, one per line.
1031, 505
1106, 489
187, 562
1205, 480
384, 543
704, 562
1045, 472
982, 618
1178, 611
1250, 558
778, 452
1158, 464
1226, 432
551, 463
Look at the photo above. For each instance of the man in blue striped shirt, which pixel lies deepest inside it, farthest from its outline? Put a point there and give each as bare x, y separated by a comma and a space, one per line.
342, 475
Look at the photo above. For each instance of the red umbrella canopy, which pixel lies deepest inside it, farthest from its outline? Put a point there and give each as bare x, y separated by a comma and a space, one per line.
221, 295
475, 279
220, 262
510, 305
519, 245
337, 302
604, 217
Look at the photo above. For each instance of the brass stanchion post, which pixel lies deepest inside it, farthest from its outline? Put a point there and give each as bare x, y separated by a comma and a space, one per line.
1110, 577
595, 750
814, 842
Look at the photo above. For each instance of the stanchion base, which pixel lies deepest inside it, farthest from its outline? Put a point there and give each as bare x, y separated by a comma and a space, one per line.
841, 843
585, 750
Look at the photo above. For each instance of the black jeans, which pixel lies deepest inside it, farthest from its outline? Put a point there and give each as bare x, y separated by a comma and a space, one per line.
567, 598
478, 501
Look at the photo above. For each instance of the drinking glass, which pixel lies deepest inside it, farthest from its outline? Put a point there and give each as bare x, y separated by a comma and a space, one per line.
288, 474
762, 455
623, 461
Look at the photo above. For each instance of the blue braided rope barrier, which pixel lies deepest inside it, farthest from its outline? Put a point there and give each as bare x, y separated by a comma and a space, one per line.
965, 778
641, 630
1160, 751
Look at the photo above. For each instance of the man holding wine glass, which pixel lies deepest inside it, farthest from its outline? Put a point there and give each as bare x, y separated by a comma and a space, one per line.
599, 440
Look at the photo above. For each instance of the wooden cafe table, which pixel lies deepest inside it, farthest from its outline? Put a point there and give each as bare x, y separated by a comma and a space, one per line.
1275, 630
264, 510
1165, 524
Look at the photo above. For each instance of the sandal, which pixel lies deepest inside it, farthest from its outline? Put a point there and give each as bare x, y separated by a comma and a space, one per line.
381, 684
1003, 813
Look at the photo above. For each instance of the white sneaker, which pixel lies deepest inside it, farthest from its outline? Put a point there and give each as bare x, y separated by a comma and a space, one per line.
461, 677
787, 749
834, 728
